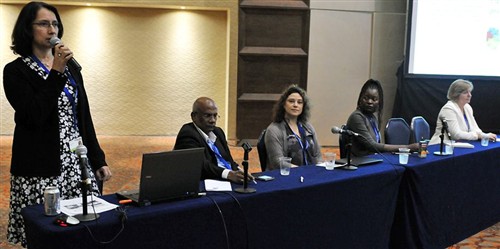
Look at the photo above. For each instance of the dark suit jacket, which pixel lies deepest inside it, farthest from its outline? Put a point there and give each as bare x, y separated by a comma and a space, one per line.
189, 137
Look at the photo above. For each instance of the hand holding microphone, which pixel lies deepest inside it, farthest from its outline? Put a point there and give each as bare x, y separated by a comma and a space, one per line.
62, 55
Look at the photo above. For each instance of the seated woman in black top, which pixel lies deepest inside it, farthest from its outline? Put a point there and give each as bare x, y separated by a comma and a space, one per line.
365, 120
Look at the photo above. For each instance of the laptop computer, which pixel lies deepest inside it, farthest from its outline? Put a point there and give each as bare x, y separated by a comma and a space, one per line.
359, 161
167, 176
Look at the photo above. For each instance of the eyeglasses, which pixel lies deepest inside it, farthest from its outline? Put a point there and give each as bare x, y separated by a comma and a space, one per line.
47, 24
209, 115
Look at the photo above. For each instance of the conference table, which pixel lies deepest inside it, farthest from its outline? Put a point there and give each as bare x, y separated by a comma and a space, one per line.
339, 208
430, 202
446, 199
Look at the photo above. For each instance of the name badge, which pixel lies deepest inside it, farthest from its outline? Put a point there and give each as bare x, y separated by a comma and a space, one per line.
74, 143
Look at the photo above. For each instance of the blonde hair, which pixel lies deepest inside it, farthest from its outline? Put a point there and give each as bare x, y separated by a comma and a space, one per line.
458, 87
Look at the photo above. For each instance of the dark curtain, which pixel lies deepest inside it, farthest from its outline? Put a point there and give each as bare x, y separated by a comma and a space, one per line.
424, 96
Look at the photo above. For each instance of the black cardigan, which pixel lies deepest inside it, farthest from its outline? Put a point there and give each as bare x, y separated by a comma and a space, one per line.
35, 149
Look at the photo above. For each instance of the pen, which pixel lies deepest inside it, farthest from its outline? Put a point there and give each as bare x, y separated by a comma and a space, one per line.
254, 181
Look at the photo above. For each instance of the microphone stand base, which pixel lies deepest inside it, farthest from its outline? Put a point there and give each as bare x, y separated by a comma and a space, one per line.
86, 217
349, 167
439, 153
245, 190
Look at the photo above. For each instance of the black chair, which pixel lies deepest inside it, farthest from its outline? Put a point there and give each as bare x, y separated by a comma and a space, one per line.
397, 131
420, 129
261, 148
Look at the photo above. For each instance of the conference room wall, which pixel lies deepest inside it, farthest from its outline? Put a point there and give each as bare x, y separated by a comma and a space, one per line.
389, 12
348, 45
140, 77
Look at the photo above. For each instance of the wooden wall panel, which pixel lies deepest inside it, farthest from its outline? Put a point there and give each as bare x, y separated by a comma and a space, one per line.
273, 53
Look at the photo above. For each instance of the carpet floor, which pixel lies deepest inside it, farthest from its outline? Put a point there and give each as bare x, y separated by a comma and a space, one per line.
124, 155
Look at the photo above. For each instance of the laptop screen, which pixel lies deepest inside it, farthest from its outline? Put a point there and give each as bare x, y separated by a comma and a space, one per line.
168, 175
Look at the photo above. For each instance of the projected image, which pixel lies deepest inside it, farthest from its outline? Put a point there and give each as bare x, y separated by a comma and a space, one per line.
454, 37
493, 38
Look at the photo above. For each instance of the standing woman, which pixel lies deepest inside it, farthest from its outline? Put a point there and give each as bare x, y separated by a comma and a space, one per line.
51, 114
290, 134
365, 121
459, 115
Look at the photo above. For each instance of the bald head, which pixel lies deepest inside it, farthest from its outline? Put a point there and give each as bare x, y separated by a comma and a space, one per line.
204, 114
203, 103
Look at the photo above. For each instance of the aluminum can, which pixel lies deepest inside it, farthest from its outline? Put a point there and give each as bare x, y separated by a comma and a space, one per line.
52, 201
422, 149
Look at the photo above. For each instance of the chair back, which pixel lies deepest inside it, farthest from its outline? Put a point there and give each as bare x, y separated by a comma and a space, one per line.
420, 129
397, 131
342, 142
261, 149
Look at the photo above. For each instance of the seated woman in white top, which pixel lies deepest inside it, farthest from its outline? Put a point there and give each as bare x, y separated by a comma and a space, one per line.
459, 115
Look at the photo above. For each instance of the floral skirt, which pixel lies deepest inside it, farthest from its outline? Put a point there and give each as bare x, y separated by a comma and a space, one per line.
26, 191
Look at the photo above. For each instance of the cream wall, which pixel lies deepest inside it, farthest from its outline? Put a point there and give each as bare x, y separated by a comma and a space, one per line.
144, 65
350, 42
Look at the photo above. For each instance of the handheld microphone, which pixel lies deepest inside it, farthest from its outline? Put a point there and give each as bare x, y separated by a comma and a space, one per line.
445, 127
72, 62
338, 130
81, 152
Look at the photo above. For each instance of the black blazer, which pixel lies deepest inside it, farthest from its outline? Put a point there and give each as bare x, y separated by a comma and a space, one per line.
189, 137
35, 148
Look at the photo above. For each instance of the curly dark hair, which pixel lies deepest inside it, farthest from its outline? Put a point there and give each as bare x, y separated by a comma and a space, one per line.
279, 109
374, 84
22, 35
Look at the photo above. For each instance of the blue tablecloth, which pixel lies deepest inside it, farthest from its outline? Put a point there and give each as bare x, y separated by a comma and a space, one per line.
431, 202
330, 209
445, 199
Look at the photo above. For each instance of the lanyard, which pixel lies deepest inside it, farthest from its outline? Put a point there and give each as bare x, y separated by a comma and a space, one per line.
72, 97
375, 129
301, 143
467, 122
68, 94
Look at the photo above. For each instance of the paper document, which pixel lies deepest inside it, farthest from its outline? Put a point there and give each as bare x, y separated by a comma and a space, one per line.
73, 206
463, 145
322, 164
214, 185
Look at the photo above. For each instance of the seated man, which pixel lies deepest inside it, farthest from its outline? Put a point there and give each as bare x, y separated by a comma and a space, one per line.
202, 132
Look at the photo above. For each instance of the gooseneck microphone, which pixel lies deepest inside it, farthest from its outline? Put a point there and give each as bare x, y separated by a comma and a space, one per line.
348, 144
245, 190
445, 127
338, 130
72, 62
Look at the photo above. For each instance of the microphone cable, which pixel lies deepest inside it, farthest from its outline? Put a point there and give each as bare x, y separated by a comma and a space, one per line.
382, 154
123, 218
244, 216
122, 210
223, 221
